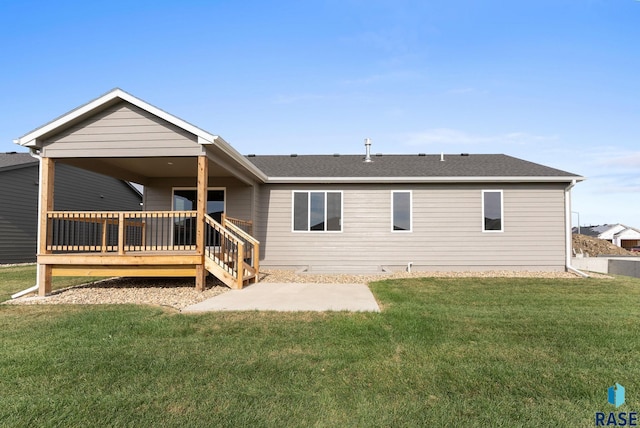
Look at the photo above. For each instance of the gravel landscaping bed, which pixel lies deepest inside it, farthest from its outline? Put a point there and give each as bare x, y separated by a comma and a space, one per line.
178, 293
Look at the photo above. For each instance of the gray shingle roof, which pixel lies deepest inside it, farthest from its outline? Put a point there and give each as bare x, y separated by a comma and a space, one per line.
398, 166
13, 159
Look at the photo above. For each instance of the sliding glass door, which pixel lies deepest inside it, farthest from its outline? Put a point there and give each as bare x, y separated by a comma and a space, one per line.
186, 199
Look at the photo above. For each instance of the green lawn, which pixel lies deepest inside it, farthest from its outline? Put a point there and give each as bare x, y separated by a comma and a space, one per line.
443, 352
18, 278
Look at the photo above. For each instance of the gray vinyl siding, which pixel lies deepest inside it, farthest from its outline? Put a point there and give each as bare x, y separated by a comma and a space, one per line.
125, 128
18, 214
79, 190
239, 197
447, 229
74, 190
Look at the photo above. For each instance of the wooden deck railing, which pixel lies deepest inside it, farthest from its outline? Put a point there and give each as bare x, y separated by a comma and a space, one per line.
245, 225
121, 232
251, 244
230, 252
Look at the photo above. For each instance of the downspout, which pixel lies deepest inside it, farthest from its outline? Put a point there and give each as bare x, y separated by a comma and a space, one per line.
33, 152
568, 232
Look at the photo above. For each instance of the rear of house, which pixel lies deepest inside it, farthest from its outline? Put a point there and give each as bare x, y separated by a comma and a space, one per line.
209, 210
420, 212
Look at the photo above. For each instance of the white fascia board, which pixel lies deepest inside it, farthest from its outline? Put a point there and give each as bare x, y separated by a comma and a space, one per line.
203, 136
236, 156
30, 139
297, 180
204, 141
29, 143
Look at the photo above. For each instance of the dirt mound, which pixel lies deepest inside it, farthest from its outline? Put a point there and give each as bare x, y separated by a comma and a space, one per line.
596, 247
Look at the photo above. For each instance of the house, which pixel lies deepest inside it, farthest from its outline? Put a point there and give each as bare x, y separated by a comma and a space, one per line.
76, 189
618, 234
208, 209
627, 238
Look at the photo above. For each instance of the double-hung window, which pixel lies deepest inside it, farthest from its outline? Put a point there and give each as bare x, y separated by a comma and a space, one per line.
492, 211
401, 211
317, 211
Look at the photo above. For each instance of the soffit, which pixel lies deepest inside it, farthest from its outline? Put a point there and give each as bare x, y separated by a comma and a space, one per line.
141, 170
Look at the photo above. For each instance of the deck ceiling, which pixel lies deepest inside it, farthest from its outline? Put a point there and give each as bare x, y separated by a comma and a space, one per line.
141, 170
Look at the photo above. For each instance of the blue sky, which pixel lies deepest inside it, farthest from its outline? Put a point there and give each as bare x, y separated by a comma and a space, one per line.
552, 81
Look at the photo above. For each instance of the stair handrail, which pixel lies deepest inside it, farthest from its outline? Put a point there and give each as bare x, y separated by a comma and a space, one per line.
254, 245
238, 237
235, 229
246, 225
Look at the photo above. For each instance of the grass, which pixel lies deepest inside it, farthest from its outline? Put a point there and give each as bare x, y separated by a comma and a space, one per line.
445, 352
21, 277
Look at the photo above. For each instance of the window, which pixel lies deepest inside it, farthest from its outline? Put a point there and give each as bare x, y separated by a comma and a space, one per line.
317, 211
492, 212
186, 199
401, 211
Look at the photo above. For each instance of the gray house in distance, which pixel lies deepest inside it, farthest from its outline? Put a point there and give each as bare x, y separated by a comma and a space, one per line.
75, 189
208, 209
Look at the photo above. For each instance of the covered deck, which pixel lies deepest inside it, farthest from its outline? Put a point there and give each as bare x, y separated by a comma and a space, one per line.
123, 137
145, 243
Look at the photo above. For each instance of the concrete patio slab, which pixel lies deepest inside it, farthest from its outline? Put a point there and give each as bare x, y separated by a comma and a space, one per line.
292, 297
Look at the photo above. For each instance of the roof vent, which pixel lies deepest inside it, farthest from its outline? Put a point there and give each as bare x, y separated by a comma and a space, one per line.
379, 155
294, 155
441, 156
336, 155
251, 155
422, 154
464, 154
367, 146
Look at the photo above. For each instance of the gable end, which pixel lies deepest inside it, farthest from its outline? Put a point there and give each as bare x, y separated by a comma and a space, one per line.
125, 128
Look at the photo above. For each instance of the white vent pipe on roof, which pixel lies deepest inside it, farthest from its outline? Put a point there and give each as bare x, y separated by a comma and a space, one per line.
367, 145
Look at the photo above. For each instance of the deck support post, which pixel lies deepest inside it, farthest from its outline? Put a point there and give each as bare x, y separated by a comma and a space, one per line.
240, 267
121, 235
44, 279
201, 277
47, 173
203, 185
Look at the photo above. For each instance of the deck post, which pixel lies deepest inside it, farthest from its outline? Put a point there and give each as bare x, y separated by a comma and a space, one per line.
203, 184
121, 235
47, 171
240, 267
201, 277
256, 262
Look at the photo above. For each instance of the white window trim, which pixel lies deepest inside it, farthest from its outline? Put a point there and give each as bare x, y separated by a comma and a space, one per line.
308, 192
501, 210
410, 192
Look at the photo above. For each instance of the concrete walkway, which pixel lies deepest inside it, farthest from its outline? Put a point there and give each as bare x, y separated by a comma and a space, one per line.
291, 298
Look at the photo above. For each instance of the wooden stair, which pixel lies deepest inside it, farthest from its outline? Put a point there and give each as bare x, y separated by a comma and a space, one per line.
228, 261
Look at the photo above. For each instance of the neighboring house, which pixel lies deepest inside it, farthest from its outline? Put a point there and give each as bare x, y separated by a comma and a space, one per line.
618, 234
593, 231
209, 209
627, 238
75, 189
